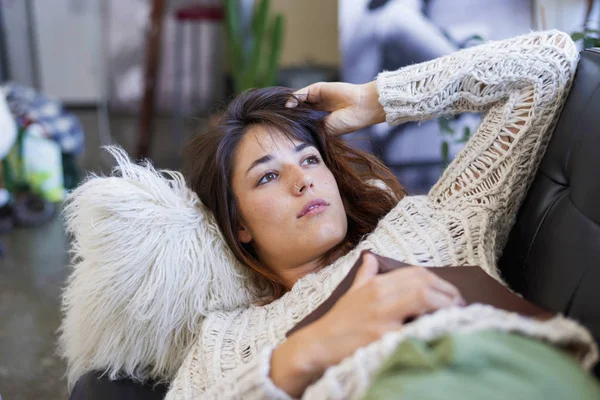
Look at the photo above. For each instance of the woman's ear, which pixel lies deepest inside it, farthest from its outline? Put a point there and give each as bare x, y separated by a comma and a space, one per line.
244, 234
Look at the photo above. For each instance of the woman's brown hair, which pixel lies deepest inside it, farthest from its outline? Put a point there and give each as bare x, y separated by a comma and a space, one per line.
208, 167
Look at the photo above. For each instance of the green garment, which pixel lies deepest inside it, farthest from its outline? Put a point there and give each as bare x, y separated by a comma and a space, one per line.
485, 365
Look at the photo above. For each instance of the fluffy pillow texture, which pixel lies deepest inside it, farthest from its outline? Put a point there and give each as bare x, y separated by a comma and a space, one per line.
148, 263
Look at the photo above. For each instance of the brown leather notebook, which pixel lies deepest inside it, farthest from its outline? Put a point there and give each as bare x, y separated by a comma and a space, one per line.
473, 283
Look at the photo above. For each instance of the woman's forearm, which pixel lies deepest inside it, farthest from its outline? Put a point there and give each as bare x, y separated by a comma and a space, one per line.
473, 79
298, 362
520, 85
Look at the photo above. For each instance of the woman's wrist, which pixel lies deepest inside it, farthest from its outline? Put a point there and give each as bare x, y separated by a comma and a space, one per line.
369, 102
298, 362
312, 357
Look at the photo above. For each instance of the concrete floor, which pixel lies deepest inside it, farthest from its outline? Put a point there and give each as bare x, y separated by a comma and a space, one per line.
35, 267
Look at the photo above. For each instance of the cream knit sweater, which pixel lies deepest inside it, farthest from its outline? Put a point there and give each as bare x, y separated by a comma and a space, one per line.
519, 85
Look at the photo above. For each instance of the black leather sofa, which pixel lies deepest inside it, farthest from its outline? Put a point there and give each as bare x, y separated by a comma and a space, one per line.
553, 253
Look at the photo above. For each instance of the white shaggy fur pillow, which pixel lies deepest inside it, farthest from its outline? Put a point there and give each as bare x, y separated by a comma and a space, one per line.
148, 263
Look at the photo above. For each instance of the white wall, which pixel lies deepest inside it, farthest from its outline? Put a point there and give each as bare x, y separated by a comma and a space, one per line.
17, 42
69, 47
566, 15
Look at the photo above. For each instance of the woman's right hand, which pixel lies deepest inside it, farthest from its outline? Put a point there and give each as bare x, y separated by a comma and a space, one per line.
373, 306
352, 107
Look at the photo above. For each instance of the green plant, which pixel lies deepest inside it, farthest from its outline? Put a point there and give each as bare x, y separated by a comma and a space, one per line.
254, 63
449, 135
18, 180
13, 166
590, 37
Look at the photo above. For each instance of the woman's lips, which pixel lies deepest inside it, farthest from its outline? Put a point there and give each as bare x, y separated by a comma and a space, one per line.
313, 207
316, 210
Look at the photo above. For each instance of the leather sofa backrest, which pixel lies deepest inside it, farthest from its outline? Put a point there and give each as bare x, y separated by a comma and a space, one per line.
552, 256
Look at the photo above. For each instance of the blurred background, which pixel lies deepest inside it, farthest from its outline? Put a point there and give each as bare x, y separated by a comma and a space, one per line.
148, 75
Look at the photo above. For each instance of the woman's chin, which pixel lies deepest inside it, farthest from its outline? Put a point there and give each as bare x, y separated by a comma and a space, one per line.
320, 235
328, 237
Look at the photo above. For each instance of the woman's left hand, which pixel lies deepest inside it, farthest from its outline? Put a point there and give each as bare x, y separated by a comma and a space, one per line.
352, 107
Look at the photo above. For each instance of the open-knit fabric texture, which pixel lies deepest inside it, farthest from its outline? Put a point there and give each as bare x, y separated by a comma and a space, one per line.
520, 85
156, 293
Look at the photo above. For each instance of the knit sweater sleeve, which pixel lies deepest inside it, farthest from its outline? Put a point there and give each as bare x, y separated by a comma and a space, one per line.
196, 380
519, 85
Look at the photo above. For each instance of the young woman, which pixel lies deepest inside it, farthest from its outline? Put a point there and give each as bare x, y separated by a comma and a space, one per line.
202, 295
296, 206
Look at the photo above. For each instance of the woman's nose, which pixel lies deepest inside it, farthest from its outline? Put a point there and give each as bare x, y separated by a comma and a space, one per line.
301, 183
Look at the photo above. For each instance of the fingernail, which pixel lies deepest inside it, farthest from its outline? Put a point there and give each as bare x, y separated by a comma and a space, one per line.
291, 103
457, 301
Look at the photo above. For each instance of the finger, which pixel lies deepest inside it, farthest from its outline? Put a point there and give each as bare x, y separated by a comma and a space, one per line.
292, 102
297, 97
310, 94
434, 300
393, 291
418, 302
423, 274
445, 287
367, 270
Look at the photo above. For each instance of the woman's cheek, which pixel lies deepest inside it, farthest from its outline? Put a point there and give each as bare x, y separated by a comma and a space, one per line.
267, 210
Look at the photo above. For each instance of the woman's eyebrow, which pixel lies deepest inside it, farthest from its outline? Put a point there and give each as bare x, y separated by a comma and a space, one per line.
269, 157
259, 161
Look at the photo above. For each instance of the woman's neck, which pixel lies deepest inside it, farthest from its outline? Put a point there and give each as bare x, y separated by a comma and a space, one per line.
293, 274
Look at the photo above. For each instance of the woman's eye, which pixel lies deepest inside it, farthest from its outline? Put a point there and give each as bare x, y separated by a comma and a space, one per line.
269, 176
311, 160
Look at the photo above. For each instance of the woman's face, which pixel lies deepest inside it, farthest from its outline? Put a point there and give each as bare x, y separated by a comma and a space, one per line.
275, 180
